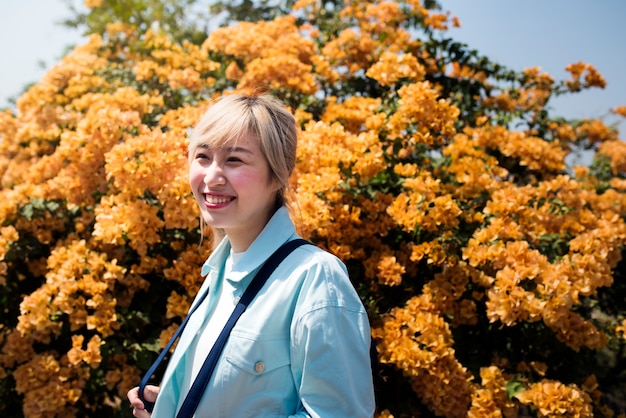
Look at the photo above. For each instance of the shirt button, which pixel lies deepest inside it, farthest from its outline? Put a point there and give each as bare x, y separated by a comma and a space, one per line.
259, 367
236, 300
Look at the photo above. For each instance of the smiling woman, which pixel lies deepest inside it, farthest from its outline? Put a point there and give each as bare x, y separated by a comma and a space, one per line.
303, 344
237, 187
232, 182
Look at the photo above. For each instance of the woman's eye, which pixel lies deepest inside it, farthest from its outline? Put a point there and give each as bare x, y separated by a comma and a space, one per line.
203, 152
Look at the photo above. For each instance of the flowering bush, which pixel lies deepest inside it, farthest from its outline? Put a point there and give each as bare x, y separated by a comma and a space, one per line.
491, 270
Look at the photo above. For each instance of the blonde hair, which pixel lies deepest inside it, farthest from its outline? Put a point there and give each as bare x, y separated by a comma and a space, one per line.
260, 116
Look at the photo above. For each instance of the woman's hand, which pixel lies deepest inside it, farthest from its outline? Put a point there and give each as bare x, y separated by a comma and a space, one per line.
150, 394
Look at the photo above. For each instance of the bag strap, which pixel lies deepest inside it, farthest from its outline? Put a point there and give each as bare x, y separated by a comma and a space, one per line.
149, 406
190, 404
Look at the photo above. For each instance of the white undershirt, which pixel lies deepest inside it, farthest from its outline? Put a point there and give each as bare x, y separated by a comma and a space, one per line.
201, 346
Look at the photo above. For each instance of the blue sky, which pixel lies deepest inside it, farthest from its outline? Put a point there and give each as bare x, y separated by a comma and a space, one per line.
29, 37
552, 34
549, 34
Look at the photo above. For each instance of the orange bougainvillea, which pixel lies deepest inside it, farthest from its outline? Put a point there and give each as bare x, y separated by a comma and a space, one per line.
491, 269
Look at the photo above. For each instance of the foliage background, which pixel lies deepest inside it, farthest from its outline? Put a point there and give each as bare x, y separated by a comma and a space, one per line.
492, 272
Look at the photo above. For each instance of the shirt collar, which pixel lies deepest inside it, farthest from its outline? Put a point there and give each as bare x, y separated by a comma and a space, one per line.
276, 232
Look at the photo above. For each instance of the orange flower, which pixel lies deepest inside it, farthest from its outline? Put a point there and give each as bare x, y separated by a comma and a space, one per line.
278, 71
392, 67
615, 149
90, 356
390, 271
427, 119
592, 78
552, 399
621, 329
620, 110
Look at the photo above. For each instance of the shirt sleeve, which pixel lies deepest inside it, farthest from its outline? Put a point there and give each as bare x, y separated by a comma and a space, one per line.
331, 339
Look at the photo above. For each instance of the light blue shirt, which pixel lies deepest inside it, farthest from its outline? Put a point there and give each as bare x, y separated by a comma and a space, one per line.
301, 349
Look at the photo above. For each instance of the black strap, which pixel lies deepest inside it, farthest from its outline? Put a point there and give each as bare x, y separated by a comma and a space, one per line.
144, 381
202, 380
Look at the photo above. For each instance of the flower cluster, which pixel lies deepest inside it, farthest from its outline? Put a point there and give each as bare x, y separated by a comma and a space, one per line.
554, 399
422, 117
592, 78
521, 221
274, 54
490, 399
417, 340
78, 284
620, 110
535, 153
50, 387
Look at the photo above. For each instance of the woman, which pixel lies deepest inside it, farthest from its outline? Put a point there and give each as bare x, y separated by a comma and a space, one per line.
301, 348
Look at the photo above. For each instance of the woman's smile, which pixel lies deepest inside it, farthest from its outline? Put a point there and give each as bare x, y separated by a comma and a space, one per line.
214, 201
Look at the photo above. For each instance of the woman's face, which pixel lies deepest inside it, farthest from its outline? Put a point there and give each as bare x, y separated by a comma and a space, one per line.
235, 189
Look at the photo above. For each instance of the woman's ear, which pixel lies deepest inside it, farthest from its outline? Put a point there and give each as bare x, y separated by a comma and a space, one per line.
276, 185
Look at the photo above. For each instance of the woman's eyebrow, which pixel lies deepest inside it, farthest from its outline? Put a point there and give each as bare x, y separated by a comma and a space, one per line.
207, 147
240, 149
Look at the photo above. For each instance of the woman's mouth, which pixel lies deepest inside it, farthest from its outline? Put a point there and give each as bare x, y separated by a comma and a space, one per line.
214, 200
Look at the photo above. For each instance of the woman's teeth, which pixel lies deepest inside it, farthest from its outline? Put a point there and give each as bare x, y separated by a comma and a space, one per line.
216, 200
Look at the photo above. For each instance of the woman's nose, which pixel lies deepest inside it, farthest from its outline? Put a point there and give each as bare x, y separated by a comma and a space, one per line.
214, 175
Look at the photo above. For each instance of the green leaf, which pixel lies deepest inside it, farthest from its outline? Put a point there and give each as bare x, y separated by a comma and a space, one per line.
514, 388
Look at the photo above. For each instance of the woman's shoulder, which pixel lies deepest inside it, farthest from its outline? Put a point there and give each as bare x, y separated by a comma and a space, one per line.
315, 256
323, 277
